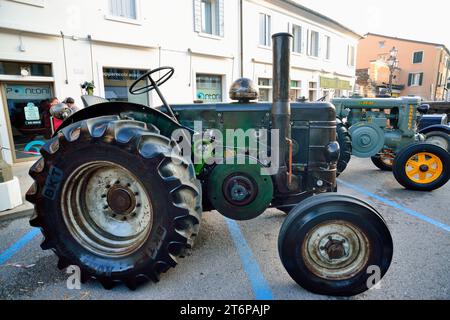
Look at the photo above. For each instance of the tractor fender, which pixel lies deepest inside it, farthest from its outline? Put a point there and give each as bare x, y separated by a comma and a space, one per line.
437, 127
126, 110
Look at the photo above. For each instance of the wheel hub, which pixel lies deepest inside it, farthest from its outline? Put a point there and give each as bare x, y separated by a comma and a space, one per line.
335, 250
121, 200
239, 190
107, 209
424, 168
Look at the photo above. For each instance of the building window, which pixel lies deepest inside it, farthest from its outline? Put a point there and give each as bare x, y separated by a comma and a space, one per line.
415, 79
265, 89
296, 90
328, 47
265, 29
381, 44
118, 81
123, 8
418, 57
209, 88
297, 32
11, 68
312, 91
351, 56
313, 44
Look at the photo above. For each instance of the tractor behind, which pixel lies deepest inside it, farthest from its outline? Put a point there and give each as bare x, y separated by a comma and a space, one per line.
385, 130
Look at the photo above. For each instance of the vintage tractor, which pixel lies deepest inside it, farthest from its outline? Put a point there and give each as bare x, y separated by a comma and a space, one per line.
112, 196
385, 130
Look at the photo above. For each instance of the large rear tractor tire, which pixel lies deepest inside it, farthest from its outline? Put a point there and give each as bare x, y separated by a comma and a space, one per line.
337, 245
110, 198
422, 167
345, 142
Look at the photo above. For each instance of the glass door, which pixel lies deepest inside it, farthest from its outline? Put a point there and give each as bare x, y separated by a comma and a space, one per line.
27, 107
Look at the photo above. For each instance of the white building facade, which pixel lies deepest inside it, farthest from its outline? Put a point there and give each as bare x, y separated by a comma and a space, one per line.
49, 47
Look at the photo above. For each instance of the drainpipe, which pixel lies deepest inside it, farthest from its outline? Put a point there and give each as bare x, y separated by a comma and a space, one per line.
439, 71
241, 30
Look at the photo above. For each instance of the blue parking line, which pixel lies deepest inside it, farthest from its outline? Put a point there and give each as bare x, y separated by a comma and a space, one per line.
397, 206
259, 284
22, 242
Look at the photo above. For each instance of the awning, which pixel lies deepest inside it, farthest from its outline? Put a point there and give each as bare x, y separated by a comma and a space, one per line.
336, 83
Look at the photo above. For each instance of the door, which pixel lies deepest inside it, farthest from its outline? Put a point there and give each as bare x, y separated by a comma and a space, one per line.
28, 117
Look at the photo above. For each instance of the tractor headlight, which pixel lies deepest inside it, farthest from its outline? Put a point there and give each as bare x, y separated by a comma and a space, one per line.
332, 152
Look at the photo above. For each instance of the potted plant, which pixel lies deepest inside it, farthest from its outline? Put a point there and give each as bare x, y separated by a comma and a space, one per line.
89, 87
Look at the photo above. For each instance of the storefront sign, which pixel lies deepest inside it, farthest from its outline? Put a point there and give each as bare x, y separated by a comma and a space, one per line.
329, 83
24, 92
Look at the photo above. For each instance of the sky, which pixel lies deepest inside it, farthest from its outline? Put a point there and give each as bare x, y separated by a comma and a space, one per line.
425, 20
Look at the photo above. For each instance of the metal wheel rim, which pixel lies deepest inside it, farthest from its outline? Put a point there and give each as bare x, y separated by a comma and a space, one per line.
90, 218
424, 168
316, 256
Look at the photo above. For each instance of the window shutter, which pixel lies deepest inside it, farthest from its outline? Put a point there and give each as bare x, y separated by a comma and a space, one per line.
308, 43
197, 16
221, 17
421, 79
410, 76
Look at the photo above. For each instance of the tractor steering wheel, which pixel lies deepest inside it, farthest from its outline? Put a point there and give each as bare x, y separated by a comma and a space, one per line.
153, 84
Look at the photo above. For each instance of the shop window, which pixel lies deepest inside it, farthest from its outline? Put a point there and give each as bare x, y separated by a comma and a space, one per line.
296, 90
12, 68
265, 89
209, 88
118, 81
29, 118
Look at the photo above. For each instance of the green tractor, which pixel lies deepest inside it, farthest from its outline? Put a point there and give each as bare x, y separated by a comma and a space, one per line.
385, 130
117, 196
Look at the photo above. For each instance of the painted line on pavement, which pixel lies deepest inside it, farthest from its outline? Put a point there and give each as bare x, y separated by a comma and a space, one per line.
259, 284
16, 247
397, 206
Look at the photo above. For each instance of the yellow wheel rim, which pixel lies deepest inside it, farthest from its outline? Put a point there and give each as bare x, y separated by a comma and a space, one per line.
424, 168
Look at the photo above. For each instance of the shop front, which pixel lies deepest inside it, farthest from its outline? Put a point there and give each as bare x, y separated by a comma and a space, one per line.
25, 108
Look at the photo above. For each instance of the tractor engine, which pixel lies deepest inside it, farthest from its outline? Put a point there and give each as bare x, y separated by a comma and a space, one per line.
308, 150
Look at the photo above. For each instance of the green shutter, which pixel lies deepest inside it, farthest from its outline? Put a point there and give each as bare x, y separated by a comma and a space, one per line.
410, 77
421, 79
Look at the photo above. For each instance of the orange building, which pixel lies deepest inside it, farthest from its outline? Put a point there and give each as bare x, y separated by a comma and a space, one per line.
423, 67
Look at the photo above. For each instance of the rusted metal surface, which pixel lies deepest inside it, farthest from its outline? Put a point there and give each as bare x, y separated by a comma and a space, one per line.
106, 209
335, 250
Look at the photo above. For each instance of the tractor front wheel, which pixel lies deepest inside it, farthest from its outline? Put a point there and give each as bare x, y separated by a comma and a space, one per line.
422, 167
111, 199
335, 245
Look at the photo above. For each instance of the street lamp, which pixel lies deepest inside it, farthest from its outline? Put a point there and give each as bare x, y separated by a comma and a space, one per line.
393, 65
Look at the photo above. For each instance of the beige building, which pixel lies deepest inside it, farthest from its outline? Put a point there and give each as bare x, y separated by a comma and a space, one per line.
423, 67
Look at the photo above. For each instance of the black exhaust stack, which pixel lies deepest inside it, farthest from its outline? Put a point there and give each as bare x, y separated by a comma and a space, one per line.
281, 107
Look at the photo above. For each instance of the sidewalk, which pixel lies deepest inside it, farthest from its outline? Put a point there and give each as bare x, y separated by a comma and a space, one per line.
20, 170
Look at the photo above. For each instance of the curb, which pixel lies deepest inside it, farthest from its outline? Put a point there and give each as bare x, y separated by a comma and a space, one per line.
16, 214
